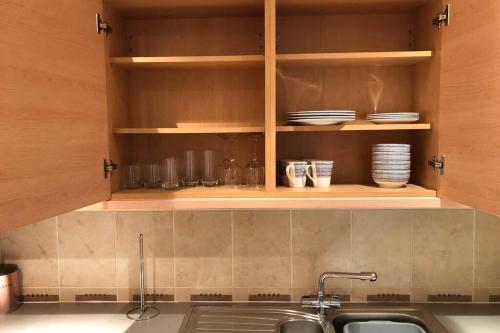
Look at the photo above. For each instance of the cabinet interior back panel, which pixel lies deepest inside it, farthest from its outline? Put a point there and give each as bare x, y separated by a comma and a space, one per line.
363, 89
345, 33
195, 36
178, 98
154, 148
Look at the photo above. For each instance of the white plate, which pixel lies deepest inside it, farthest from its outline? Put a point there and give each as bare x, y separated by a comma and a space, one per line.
320, 121
322, 111
394, 121
322, 117
396, 114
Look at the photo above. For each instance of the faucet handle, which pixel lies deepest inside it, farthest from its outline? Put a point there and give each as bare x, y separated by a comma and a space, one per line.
332, 301
309, 301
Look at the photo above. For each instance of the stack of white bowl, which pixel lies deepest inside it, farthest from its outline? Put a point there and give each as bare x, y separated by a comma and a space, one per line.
391, 164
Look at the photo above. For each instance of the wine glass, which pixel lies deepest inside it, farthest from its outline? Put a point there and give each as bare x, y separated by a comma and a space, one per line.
230, 170
254, 170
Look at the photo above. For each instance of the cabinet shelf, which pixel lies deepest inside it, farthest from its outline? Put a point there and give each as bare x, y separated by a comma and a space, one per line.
190, 62
354, 127
189, 192
354, 58
189, 130
355, 190
334, 191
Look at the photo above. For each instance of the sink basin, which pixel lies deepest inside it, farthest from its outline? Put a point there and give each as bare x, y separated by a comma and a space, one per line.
382, 326
378, 322
300, 326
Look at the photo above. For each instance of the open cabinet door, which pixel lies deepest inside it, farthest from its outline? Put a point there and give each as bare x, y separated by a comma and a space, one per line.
469, 115
53, 125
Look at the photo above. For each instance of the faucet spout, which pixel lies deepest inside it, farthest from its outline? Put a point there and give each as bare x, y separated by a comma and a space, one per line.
320, 302
367, 276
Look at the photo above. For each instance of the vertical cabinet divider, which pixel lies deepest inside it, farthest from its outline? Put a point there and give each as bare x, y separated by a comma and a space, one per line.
270, 95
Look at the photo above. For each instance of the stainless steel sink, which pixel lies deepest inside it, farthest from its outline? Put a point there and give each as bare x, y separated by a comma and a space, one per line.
376, 322
301, 326
293, 319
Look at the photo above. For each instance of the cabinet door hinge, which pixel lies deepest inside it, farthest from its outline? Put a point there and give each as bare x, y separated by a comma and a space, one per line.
443, 17
109, 167
101, 26
437, 164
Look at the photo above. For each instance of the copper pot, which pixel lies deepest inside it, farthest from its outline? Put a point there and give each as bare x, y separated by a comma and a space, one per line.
9, 288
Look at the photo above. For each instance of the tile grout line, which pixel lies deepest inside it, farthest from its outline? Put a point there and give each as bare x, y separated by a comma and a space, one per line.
351, 252
173, 254
116, 258
474, 220
291, 250
232, 252
58, 259
411, 255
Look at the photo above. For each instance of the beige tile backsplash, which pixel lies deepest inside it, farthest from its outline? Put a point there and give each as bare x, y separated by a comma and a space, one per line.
203, 249
157, 229
442, 248
244, 252
87, 250
261, 249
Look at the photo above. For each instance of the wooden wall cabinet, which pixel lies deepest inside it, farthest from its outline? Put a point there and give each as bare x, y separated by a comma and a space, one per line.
174, 75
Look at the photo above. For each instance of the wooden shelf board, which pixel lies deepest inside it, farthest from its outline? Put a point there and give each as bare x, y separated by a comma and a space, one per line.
354, 58
334, 191
189, 130
355, 190
190, 62
336, 7
188, 192
355, 127
187, 8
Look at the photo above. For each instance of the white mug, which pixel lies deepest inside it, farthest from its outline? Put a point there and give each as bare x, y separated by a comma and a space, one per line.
323, 181
293, 179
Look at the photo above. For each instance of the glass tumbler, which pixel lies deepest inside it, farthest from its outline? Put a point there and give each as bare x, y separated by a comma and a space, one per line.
209, 175
152, 178
134, 178
170, 178
191, 168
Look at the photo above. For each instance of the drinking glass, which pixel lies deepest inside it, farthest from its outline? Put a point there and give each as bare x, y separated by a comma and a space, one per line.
170, 179
191, 168
209, 173
133, 176
152, 178
230, 170
255, 171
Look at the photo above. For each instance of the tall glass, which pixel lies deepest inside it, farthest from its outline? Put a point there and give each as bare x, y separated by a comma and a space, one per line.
134, 176
254, 170
170, 178
230, 170
209, 172
191, 168
152, 175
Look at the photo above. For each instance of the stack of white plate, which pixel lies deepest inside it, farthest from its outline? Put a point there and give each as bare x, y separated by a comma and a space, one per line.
392, 118
321, 117
391, 164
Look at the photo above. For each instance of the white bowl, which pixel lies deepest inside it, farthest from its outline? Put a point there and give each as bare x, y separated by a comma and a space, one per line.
383, 158
386, 167
390, 184
392, 172
391, 149
390, 162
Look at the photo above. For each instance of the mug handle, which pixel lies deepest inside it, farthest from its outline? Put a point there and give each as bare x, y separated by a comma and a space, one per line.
313, 179
291, 180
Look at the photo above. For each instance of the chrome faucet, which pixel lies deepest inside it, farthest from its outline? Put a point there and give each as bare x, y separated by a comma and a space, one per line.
321, 302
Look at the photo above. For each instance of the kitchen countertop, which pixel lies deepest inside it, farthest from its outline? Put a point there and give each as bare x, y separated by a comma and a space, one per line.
110, 317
